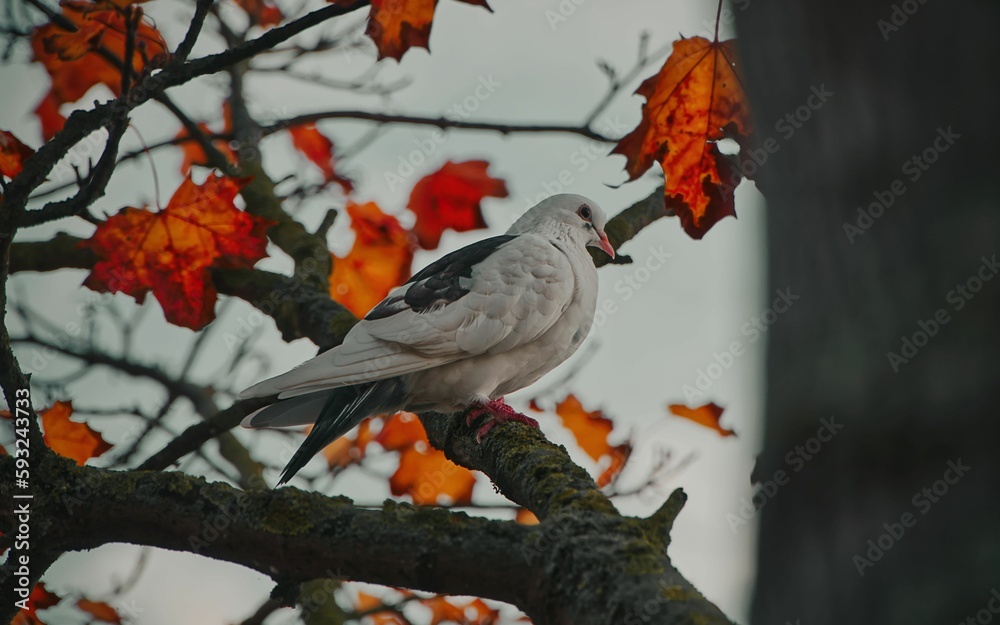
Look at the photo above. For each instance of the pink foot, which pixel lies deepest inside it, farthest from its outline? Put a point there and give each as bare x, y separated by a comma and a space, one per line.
499, 412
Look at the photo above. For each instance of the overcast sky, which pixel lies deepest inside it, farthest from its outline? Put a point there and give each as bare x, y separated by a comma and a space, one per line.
539, 60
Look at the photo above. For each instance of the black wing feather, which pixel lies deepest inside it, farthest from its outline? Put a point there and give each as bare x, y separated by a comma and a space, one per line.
437, 284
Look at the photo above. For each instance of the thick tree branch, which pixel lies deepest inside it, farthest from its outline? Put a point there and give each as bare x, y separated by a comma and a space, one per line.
581, 565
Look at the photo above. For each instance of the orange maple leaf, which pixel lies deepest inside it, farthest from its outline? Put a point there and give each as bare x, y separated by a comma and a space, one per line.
262, 12
428, 477
71, 439
319, 149
171, 251
450, 198
39, 599
366, 603
591, 430
525, 517
707, 415
696, 100
618, 457
449, 610
379, 260
194, 154
72, 59
398, 25
13, 153
100, 610
400, 431
424, 473
348, 450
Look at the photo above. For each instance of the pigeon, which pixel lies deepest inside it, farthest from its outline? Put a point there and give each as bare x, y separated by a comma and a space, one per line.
479, 323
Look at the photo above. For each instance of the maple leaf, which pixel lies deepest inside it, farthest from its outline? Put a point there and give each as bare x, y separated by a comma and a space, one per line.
525, 517
262, 12
707, 415
379, 260
366, 603
443, 611
450, 198
194, 154
100, 610
590, 429
618, 457
171, 251
474, 612
424, 473
398, 25
49, 116
400, 431
13, 153
695, 100
319, 149
428, 477
348, 450
39, 599
73, 61
74, 440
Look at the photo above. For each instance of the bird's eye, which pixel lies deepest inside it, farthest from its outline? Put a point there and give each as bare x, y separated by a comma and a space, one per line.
584, 212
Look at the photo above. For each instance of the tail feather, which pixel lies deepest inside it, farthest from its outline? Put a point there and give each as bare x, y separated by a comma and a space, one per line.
343, 409
301, 410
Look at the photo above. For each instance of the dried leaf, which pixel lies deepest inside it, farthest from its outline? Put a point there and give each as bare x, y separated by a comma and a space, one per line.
76, 60
619, 457
171, 251
707, 416
590, 429
308, 140
450, 199
379, 260
39, 599
400, 431
526, 517
71, 439
398, 25
100, 610
13, 153
194, 154
696, 99
262, 12
424, 473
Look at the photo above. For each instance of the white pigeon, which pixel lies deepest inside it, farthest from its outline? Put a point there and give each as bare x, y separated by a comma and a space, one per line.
483, 321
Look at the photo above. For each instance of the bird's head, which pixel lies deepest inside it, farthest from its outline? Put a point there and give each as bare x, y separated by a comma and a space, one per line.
570, 215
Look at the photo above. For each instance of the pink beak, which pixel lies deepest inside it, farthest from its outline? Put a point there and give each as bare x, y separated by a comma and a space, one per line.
606, 245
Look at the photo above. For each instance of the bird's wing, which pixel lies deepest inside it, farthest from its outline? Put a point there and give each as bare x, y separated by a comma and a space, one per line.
490, 296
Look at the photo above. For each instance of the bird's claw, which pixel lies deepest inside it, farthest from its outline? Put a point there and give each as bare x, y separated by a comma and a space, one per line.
499, 412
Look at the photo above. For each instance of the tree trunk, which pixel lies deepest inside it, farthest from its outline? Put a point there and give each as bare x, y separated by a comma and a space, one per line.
893, 340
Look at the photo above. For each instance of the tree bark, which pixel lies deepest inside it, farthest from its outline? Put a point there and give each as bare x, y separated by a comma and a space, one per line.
583, 564
881, 209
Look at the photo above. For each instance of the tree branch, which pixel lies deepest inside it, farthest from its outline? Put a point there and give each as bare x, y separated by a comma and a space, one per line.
438, 122
619, 563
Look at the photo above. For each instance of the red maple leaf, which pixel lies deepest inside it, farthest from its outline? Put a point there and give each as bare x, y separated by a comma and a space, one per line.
92, 55
695, 100
398, 25
13, 153
319, 149
450, 198
171, 251
262, 12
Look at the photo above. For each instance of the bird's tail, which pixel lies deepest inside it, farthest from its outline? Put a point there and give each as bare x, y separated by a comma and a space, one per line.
342, 409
